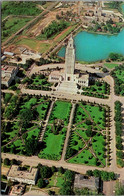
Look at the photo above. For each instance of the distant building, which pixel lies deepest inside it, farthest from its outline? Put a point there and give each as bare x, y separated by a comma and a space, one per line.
18, 189
68, 79
16, 174
8, 74
8, 53
82, 181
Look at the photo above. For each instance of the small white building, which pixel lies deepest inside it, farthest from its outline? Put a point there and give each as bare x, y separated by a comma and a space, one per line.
16, 174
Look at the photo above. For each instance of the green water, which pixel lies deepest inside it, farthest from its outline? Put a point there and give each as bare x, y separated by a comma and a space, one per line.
93, 47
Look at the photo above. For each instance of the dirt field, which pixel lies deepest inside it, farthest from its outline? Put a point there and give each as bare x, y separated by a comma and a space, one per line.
4, 170
36, 29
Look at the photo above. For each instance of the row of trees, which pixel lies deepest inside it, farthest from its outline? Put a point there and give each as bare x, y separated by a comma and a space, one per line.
54, 28
118, 126
104, 175
117, 74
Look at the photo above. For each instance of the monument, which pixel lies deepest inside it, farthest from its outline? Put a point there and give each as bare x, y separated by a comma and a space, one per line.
69, 80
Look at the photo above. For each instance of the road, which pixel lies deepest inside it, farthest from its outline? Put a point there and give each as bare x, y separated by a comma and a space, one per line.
34, 160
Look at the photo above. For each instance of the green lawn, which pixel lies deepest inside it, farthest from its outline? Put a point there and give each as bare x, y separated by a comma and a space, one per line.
61, 110
110, 65
102, 88
39, 81
99, 119
12, 25
84, 157
29, 103
35, 132
27, 41
53, 144
80, 115
14, 128
42, 109
76, 142
56, 180
98, 144
83, 134
94, 115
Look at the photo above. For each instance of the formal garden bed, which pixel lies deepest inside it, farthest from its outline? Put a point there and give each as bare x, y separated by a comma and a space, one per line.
53, 144
55, 134
61, 110
20, 122
118, 75
87, 141
38, 82
97, 89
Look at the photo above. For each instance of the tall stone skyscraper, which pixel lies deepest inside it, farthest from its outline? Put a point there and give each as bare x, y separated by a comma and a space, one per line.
70, 60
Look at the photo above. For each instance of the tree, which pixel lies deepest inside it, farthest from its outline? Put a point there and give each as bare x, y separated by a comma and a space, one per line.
41, 183
105, 70
105, 176
51, 192
96, 173
119, 189
13, 162
6, 161
111, 175
26, 116
31, 146
45, 172
69, 175
53, 168
61, 170
89, 173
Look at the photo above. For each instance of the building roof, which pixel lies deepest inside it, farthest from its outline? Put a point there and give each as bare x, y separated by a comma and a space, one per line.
84, 76
7, 68
8, 53
15, 172
83, 181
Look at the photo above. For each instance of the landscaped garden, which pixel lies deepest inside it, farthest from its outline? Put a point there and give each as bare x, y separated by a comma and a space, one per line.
87, 140
61, 110
110, 65
53, 144
38, 82
118, 75
55, 134
20, 122
97, 89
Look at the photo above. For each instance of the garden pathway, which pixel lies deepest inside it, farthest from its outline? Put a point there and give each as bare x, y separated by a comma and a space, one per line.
68, 132
46, 121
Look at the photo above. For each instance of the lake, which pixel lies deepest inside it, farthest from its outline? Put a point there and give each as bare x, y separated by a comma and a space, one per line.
93, 47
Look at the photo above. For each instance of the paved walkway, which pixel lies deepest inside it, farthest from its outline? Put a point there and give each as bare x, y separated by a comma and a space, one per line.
68, 132
46, 121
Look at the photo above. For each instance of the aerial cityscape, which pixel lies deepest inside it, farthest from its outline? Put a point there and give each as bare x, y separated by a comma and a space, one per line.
62, 98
